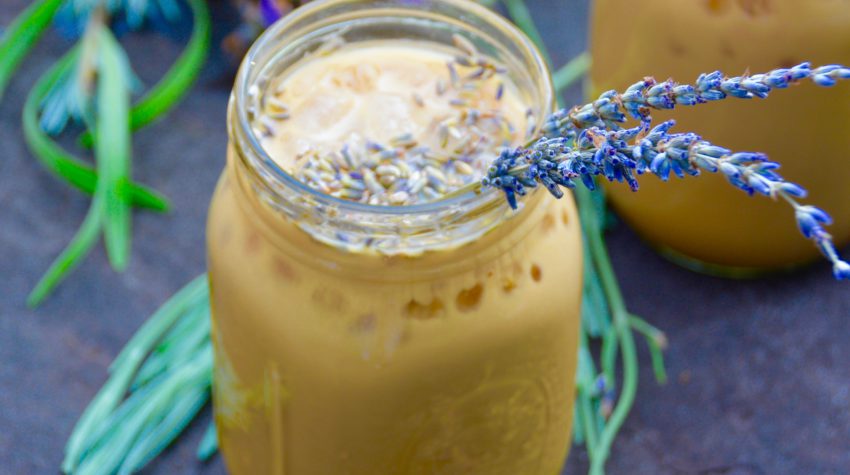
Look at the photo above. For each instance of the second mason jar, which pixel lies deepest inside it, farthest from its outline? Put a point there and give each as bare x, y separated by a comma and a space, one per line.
703, 222
358, 339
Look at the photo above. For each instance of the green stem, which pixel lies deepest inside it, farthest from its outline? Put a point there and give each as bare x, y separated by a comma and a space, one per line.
571, 72
519, 13
54, 158
22, 35
608, 356
80, 245
622, 324
620, 317
585, 404
112, 148
209, 444
656, 341
177, 82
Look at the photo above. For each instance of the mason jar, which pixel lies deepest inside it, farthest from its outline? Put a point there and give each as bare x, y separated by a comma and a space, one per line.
704, 222
358, 339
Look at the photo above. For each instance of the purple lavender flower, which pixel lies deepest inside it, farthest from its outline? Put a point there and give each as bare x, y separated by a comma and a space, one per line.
270, 11
613, 108
588, 141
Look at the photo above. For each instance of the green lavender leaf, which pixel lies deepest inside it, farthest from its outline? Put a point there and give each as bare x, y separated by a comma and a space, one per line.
124, 433
89, 231
80, 245
189, 334
161, 433
209, 443
595, 315
608, 354
21, 36
177, 82
54, 158
657, 343
123, 370
521, 16
620, 328
571, 72
195, 295
112, 147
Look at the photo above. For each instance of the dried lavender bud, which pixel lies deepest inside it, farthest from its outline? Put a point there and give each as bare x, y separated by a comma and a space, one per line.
620, 155
612, 108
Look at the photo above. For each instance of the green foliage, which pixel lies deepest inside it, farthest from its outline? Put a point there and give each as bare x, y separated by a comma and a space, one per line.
112, 149
177, 81
604, 314
157, 385
93, 84
143, 411
22, 35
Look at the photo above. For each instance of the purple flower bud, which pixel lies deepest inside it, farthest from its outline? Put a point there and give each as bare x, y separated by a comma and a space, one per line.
729, 170
270, 11
841, 270
824, 80
808, 225
793, 190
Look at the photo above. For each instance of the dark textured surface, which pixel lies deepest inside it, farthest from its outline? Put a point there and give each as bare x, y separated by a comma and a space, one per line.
760, 381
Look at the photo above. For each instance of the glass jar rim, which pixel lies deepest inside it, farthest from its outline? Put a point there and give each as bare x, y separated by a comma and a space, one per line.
271, 170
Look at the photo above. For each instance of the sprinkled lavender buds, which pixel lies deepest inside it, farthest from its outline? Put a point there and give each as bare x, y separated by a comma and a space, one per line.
465, 149
453, 152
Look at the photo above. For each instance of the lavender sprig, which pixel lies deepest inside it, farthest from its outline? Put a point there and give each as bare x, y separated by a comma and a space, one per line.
619, 155
613, 108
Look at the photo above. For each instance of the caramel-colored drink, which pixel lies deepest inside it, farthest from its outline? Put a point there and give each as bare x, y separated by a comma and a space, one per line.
806, 129
339, 354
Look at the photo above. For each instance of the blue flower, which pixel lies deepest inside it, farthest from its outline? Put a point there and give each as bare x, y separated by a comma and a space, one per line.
841, 270
588, 142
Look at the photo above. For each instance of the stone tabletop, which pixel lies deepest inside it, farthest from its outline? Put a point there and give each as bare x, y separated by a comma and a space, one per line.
760, 380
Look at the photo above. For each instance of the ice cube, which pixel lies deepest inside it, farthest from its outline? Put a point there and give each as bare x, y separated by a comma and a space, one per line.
326, 117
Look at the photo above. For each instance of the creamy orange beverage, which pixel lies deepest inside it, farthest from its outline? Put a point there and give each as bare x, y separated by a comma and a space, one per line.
370, 317
704, 221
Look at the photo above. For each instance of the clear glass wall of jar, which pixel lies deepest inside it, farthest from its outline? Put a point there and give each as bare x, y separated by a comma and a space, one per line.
705, 222
433, 338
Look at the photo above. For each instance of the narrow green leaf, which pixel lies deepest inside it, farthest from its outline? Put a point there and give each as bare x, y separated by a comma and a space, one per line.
578, 422
107, 453
112, 148
657, 343
89, 230
54, 158
589, 422
520, 14
179, 410
571, 72
98, 411
80, 245
124, 368
595, 313
177, 82
188, 335
209, 443
192, 295
21, 36
608, 357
